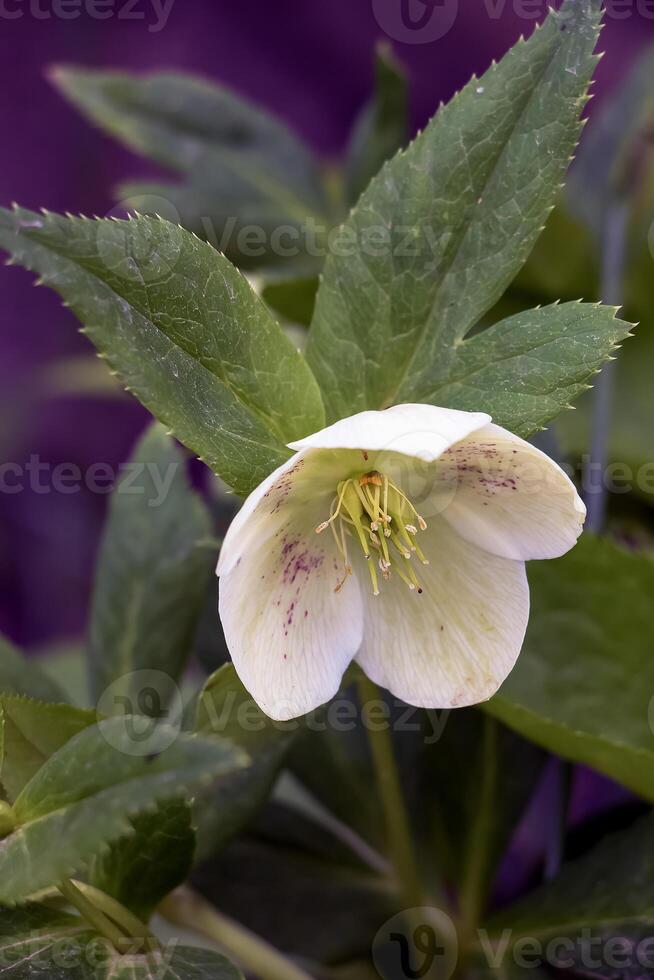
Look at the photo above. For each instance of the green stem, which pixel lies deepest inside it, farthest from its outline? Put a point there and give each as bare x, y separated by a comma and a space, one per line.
7, 820
474, 885
398, 828
189, 910
131, 926
614, 254
94, 916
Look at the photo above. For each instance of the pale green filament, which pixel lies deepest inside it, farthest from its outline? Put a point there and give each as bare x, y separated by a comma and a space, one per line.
376, 513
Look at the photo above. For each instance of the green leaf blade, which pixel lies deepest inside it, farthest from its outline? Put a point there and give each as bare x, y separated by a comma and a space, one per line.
85, 796
462, 207
243, 169
583, 646
154, 568
18, 675
528, 368
382, 127
226, 709
30, 732
184, 331
140, 870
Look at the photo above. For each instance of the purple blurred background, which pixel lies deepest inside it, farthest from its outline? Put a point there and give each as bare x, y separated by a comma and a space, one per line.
312, 64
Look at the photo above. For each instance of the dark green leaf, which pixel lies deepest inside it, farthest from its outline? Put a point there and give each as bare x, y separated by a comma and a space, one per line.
475, 782
38, 943
243, 168
443, 229
383, 126
526, 369
21, 676
181, 963
30, 732
300, 894
84, 796
153, 571
225, 708
183, 330
584, 681
141, 869
293, 299
332, 761
603, 897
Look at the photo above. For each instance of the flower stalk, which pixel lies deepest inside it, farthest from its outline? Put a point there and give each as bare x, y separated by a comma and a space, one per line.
189, 910
398, 828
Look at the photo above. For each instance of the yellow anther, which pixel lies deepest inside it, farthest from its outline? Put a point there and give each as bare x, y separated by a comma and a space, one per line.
374, 510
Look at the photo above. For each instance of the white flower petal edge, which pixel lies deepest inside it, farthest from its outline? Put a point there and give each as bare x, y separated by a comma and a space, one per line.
456, 644
422, 431
510, 498
291, 636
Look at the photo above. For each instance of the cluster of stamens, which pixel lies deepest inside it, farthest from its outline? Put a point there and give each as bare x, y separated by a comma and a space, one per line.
384, 522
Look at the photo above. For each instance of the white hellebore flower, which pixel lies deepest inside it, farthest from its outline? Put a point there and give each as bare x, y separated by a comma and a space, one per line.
397, 538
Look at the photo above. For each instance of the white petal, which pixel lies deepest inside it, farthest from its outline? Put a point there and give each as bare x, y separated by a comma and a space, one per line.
305, 483
291, 636
510, 498
454, 644
423, 431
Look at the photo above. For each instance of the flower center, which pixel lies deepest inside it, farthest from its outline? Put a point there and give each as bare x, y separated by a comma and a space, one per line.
383, 522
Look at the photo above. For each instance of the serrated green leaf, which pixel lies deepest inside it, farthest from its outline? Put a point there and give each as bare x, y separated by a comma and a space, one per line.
382, 127
458, 213
30, 732
225, 708
18, 675
154, 568
605, 895
184, 331
85, 795
157, 856
182, 963
39, 943
243, 168
528, 368
583, 684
